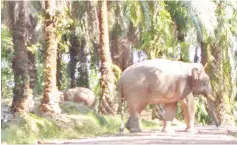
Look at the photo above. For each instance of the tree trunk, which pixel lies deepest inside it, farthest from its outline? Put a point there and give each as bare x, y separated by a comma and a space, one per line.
196, 58
107, 78
22, 92
33, 38
50, 100
204, 53
92, 19
93, 33
218, 75
215, 71
59, 67
233, 66
32, 69
75, 45
120, 51
83, 78
116, 47
73, 55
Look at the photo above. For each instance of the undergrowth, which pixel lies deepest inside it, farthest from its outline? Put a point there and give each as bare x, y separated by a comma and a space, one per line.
75, 122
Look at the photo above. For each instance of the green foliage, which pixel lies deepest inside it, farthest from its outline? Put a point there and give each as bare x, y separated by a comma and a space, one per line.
220, 68
77, 124
184, 48
145, 17
148, 124
40, 68
178, 14
30, 128
201, 113
63, 31
133, 12
7, 79
203, 16
159, 39
179, 112
157, 24
94, 79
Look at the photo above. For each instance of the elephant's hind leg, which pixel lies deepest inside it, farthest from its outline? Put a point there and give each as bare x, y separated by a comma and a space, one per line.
133, 121
170, 113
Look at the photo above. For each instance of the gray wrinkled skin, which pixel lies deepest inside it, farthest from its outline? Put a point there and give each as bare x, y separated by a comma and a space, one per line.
80, 95
162, 81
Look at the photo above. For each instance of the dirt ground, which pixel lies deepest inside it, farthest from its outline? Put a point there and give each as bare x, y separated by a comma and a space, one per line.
203, 135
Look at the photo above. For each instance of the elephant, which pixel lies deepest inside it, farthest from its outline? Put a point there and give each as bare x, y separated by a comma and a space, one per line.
163, 81
79, 95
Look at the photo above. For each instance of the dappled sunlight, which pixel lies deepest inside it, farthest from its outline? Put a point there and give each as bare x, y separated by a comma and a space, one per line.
126, 55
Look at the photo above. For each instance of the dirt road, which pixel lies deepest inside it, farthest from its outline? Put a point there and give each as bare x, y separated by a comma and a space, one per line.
204, 134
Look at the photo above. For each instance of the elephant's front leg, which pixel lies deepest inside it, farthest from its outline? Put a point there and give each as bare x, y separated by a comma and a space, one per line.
170, 113
188, 108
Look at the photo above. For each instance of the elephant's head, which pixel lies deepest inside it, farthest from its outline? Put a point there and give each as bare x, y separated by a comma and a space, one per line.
200, 81
201, 86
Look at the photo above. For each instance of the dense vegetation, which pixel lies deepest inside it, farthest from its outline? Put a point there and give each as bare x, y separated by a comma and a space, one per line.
55, 45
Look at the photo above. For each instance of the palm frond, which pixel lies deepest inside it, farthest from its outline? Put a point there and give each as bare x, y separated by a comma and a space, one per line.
204, 10
145, 10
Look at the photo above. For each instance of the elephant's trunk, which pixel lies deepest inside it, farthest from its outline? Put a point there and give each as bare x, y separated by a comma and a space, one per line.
212, 108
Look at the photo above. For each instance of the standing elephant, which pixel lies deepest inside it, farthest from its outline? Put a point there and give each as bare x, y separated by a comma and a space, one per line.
162, 81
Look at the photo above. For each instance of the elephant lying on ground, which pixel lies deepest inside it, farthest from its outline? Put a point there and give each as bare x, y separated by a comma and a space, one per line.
80, 95
162, 81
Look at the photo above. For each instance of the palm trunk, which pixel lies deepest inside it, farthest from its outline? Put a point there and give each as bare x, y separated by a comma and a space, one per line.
22, 91
31, 54
59, 67
92, 33
50, 100
75, 45
83, 65
219, 78
196, 58
107, 80
204, 53
32, 69
73, 54
233, 64
92, 19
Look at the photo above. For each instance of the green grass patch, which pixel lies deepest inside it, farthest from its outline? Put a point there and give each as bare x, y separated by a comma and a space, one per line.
75, 122
148, 124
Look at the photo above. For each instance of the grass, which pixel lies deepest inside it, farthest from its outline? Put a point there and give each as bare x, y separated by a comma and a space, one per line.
75, 122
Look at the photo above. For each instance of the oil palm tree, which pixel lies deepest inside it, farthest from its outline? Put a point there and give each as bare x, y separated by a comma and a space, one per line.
50, 98
207, 17
107, 77
22, 92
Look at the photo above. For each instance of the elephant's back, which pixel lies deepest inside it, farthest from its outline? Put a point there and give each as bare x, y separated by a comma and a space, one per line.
157, 77
154, 74
168, 67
